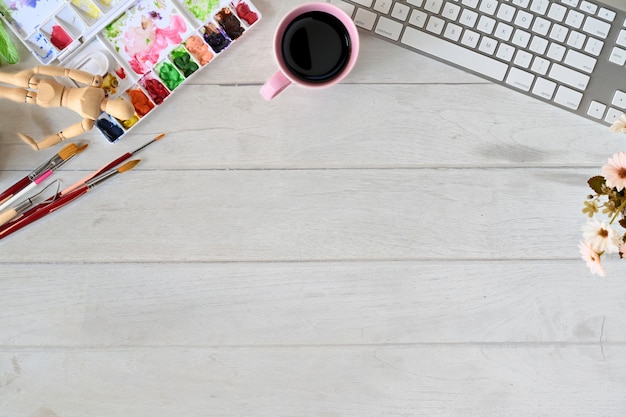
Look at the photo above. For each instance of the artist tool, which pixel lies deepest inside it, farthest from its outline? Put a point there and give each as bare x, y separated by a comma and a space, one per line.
65, 153
111, 164
41, 178
63, 200
23, 206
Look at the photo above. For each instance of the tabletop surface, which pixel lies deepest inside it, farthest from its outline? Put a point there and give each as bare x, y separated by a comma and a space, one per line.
401, 244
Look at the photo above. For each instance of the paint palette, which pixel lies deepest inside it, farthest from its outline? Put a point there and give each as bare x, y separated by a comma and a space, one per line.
144, 49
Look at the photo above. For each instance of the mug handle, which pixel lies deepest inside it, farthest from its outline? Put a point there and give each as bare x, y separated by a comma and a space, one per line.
275, 85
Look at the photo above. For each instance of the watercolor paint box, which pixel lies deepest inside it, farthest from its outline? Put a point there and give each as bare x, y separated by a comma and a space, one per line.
144, 49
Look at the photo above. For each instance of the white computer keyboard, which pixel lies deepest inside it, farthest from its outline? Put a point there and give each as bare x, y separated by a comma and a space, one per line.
569, 53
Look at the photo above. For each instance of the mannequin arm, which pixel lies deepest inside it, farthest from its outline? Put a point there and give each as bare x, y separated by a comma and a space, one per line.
72, 131
76, 75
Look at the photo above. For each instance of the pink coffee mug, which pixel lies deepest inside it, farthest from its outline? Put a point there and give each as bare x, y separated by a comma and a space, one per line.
315, 45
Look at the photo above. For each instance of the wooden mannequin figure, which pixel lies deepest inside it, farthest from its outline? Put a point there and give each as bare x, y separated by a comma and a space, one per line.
36, 86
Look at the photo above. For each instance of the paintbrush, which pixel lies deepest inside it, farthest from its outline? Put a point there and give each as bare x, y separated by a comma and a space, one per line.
67, 152
42, 177
24, 205
111, 164
64, 200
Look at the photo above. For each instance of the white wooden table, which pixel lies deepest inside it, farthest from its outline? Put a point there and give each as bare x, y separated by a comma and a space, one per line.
403, 244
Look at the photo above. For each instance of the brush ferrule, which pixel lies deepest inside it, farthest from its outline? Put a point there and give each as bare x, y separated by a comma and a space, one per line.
21, 207
101, 178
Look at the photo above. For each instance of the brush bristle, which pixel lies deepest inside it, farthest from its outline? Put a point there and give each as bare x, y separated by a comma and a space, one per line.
68, 151
82, 147
160, 136
128, 166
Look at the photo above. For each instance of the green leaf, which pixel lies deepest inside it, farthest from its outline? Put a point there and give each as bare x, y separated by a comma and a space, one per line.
8, 51
596, 183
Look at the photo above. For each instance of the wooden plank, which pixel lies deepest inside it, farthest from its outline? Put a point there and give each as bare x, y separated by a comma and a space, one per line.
312, 303
450, 381
389, 126
160, 216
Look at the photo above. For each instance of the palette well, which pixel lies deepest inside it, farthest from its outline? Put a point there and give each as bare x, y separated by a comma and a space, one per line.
144, 49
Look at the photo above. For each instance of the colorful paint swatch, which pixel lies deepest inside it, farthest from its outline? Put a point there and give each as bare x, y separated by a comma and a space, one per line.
146, 33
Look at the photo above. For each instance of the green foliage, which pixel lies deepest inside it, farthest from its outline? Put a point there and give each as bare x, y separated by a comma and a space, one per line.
8, 51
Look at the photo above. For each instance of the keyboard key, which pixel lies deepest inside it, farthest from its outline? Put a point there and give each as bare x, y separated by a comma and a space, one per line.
612, 115
539, 6
470, 38
596, 109
621, 38
451, 11
594, 46
382, 6
540, 65
470, 3
581, 61
521, 38
468, 18
453, 32
618, 56
556, 52
576, 39
435, 25
619, 99
364, 3
506, 12
541, 26
388, 28
400, 11
597, 27
523, 19
488, 45
443, 49
544, 88
365, 19
418, 18
567, 97
520, 79
573, 3
416, 3
568, 76
503, 31
505, 52
486, 25
559, 33
557, 12
606, 14
488, 6
574, 19
588, 7
433, 6
538, 45
522, 59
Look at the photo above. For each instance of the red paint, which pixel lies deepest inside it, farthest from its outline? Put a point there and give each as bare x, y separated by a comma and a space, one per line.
244, 12
121, 73
156, 90
59, 37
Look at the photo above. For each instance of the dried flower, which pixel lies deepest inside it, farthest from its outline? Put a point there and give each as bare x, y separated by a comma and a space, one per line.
614, 171
592, 259
600, 237
609, 196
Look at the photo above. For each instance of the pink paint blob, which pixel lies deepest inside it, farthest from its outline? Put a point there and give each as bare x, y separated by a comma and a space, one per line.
60, 38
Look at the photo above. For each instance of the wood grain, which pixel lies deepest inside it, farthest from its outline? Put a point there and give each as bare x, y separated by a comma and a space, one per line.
403, 244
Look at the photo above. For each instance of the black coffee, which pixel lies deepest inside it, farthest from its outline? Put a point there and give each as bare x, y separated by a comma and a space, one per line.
316, 47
